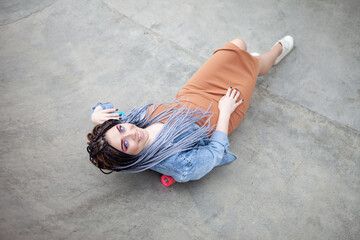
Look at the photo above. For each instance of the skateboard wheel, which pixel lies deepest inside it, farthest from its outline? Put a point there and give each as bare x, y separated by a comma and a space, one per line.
167, 180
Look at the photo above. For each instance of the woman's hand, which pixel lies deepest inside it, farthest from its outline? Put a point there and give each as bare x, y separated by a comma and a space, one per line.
99, 115
228, 104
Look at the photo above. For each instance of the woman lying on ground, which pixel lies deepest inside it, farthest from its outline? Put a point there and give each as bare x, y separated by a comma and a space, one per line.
189, 137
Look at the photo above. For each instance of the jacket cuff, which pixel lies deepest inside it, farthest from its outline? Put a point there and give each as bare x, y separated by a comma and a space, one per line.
222, 138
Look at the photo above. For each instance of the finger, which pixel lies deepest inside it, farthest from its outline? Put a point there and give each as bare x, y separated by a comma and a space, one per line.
116, 118
237, 95
239, 102
228, 92
110, 110
113, 115
233, 92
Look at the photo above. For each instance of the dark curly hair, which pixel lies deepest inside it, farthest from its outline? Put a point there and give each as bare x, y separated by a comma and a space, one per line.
101, 153
179, 133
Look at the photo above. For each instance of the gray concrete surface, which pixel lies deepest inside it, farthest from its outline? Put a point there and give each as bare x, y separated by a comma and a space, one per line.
298, 172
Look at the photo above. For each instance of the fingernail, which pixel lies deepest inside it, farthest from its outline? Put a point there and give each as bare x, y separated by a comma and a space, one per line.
120, 114
230, 87
223, 94
236, 89
242, 99
116, 109
119, 118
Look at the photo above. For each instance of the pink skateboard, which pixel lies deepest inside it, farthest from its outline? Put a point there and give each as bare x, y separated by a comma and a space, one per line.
167, 180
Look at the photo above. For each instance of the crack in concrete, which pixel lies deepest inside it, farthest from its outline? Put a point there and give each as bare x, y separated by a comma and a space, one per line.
289, 102
29, 15
177, 46
294, 173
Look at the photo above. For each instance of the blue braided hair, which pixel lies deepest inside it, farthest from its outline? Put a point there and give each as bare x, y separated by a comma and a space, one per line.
180, 120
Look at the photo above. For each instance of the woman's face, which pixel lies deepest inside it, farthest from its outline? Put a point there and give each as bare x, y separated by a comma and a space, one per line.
128, 138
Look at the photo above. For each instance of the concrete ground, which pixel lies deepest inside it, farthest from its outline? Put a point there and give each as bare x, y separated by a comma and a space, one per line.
298, 170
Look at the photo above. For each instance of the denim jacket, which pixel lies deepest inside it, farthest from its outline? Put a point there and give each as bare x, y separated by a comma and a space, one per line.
195, 163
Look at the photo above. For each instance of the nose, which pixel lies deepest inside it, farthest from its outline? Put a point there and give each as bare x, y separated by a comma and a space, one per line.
131, 134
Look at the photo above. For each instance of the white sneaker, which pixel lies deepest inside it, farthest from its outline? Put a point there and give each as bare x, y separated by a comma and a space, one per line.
287, 43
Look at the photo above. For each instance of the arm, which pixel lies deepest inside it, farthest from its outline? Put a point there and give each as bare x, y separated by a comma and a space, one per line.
227, 106
216, 152
196, 163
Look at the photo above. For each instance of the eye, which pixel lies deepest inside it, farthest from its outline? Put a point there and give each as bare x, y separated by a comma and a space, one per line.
126, 145
122, 129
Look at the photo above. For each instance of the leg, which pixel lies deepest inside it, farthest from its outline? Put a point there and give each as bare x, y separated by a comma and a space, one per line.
275, 55
239, 43
267, 60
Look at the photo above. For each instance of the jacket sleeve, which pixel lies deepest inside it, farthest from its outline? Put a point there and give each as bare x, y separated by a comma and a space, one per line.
205, 158
107, 105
